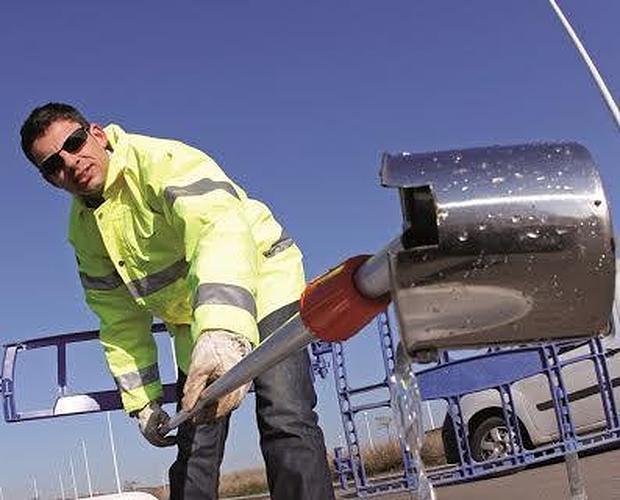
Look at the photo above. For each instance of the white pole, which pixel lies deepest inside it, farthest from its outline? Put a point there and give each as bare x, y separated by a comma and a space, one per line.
2, 494
609, 100
90, 484
62, 486
372, 445
75, 491
36, 489
118, 478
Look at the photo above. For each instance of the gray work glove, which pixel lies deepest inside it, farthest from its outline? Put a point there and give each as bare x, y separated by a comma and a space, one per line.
150, 419
215, 352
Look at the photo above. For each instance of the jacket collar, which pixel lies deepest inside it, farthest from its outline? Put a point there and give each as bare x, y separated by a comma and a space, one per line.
119, 145
118, 149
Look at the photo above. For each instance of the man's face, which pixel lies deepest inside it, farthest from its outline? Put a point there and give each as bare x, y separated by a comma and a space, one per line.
80, 171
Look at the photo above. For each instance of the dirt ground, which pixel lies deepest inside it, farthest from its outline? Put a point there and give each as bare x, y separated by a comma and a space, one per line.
601, 473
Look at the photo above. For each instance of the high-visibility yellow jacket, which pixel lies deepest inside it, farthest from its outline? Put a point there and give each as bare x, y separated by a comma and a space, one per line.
176, 239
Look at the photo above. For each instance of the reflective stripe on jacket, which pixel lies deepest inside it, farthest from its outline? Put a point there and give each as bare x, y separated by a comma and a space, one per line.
175, 239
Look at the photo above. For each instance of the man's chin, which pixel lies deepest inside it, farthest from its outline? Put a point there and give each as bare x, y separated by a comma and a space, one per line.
89, 191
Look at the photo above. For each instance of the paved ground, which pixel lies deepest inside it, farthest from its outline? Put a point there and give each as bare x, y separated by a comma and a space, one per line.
601, 473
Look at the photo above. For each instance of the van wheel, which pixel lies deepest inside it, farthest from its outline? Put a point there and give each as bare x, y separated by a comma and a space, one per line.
490, 440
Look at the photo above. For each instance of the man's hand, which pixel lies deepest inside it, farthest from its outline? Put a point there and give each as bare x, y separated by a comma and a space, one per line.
150, 419
215, 352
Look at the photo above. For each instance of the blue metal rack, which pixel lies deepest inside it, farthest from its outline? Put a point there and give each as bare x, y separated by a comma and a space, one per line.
68, 402
349, 465
450, 380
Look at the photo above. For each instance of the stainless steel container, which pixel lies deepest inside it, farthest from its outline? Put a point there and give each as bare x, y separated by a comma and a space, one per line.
500, 245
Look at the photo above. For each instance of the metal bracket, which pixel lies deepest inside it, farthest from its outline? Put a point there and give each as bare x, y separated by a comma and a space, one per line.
66, 403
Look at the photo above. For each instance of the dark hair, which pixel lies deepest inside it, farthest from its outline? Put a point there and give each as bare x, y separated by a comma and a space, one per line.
41, 118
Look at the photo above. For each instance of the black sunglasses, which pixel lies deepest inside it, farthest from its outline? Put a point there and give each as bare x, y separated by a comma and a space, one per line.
54, 163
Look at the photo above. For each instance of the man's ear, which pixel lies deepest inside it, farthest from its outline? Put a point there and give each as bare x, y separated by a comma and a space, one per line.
98, 133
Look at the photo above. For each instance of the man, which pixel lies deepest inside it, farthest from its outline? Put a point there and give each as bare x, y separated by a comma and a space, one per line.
160, 231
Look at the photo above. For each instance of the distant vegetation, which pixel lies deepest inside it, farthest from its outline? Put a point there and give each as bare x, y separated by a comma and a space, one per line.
384, 458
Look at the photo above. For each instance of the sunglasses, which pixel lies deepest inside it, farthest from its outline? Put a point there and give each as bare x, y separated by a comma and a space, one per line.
54, 163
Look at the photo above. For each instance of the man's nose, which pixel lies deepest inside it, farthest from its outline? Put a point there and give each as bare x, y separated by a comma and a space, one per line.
71, 161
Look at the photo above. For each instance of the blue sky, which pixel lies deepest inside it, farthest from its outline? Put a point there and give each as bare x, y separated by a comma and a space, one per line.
297, 101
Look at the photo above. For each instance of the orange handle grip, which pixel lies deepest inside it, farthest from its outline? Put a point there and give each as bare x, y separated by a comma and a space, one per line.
333, 309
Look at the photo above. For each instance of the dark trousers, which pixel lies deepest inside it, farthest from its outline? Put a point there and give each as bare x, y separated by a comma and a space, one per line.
291, 440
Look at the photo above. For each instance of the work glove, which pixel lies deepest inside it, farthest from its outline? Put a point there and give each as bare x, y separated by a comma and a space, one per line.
215, 352
150, 419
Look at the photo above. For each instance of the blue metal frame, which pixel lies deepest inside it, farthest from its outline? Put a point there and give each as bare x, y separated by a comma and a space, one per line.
80, 403
451, 379
523, 364
350, 465
71, 403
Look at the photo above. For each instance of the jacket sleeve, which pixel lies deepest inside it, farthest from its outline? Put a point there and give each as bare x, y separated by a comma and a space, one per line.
125, 327
207, 211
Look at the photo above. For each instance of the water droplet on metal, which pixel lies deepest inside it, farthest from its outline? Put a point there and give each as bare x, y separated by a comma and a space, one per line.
597, 203
482, 227
560, 231
464, 236
497, 180
540, 178
518, 175
532, 235
516, 219
464, 188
